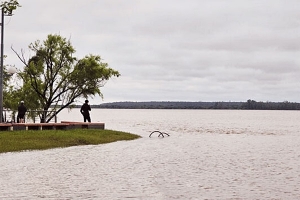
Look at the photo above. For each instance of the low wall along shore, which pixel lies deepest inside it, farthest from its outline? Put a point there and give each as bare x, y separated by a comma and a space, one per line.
64, 125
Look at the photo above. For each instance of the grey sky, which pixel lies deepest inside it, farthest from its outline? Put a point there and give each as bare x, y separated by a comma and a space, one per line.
175, 50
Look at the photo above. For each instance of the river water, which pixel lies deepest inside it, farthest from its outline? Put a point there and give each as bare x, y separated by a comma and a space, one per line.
210, 154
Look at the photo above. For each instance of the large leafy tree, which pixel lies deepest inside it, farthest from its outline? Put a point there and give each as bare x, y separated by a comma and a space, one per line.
53, 78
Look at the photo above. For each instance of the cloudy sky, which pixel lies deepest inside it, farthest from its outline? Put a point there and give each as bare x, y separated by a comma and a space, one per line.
174, 50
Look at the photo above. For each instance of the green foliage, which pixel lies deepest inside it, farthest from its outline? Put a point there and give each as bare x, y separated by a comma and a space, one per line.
90, 74
9, 6
53, 78
39, 140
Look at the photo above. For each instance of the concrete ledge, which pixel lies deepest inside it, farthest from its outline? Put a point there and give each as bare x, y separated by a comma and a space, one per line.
39, 126
5, 126
64, 125
87, 125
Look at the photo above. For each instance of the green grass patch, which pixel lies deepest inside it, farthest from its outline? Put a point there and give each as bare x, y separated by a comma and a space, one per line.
11, 141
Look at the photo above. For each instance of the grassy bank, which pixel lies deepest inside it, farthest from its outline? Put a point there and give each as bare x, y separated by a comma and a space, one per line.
39, 140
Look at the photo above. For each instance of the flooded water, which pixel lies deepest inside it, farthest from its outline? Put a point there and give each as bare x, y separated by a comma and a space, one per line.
210, 154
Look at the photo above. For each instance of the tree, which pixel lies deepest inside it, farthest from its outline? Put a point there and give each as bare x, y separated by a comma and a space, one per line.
53, 79
9, 6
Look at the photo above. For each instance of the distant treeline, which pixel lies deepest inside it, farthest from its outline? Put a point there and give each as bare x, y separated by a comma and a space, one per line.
248, 105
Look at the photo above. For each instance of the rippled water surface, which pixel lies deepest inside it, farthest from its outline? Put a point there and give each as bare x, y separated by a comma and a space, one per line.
210, 154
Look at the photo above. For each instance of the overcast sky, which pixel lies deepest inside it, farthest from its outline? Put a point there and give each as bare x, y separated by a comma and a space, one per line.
174, 50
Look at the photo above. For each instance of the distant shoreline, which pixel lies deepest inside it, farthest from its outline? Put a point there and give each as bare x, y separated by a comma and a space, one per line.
248, 105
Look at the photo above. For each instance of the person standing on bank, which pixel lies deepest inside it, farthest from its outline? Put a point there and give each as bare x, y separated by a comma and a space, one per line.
21, 113
85, 108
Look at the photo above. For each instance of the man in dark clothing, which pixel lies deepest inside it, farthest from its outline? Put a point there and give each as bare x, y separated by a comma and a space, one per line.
21, 113
85, 108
